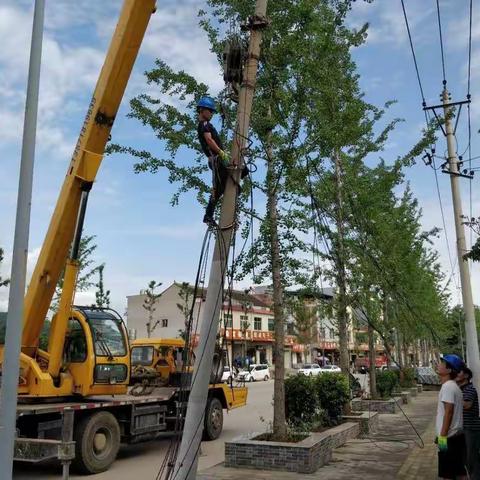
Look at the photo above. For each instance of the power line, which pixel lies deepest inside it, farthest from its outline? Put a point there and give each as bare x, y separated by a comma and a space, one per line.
470, 48
413, 53
469, 115
444, 224
441, 42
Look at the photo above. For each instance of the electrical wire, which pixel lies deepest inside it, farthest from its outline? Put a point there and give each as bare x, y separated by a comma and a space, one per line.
413, 53
444, 224
441, 42
469, 116
427, 119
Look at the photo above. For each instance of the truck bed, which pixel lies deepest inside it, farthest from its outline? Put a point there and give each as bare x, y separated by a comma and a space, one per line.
159, 395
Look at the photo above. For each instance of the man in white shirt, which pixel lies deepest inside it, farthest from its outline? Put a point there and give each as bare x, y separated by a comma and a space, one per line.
449, 423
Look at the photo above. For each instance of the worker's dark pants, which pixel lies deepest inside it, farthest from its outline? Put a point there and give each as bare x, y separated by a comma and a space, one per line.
219, 182
472, 441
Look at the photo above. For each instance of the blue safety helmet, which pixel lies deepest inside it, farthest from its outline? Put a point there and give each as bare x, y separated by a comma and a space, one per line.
207, 102
453, 361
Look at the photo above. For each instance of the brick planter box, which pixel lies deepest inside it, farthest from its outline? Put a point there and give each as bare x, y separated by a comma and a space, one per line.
403, 397
306, 456
368, 421
380, 406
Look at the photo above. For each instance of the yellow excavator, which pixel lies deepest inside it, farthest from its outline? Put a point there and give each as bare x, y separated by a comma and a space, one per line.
73, 397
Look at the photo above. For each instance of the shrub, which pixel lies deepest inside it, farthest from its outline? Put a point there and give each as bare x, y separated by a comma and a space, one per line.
407, 378
333, 393
386, 383
302, 407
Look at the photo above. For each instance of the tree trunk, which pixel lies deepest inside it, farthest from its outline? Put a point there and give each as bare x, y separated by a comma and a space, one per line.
398, 349
386, 344
406, 357
149, 326
342, 318
372, 357
279, 421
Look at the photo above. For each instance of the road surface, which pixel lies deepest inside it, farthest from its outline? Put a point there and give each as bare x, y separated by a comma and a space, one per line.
143, 461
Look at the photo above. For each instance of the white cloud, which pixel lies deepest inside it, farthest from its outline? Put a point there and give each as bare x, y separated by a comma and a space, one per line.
387, 25
66, 72
175, 37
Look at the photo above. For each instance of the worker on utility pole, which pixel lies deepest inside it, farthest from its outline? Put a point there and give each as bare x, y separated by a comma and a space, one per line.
218, 159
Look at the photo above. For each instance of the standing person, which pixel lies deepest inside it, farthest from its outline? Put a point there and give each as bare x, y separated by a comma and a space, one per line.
449, 422
471, 422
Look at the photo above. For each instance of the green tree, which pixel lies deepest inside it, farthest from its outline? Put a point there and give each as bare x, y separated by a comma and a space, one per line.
149, 304
305, 42
3, 282
102, 296
305, 322
185, 306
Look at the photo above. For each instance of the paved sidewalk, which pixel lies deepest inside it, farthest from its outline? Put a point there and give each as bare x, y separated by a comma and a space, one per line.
391, 453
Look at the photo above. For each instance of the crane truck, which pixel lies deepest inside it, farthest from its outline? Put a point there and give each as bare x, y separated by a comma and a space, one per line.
74, 402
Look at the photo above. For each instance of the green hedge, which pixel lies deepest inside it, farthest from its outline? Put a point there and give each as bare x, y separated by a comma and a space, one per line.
407, 377
314, 401
302, 408
333, 392
387, 381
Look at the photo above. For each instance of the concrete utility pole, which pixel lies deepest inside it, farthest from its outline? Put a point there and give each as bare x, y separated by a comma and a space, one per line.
11, 357
473, 356
186, 462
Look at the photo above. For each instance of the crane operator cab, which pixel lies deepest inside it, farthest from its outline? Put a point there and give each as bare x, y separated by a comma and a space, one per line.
96, 358
96, 350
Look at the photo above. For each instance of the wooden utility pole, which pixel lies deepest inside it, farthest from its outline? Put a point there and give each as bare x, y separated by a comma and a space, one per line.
187, 459
473, 356
342, 316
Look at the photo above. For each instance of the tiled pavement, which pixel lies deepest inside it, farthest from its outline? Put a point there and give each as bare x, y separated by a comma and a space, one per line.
391, 453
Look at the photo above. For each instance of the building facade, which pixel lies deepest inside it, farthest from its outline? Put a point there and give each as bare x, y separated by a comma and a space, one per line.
245, 331
247, 323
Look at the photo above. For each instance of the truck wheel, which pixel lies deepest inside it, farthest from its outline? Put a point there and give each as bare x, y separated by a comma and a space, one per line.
97, 440
213, 423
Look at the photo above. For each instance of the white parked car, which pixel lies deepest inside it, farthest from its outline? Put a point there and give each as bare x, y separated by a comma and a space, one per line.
310, 369
331, 369
256, 371
227, 374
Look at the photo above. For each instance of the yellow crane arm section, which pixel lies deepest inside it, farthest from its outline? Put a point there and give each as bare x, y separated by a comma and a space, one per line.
85, 162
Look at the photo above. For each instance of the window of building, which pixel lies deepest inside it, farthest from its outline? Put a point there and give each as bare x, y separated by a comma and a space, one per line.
290, 329
164, 322
227, 318
322, 333
271, 324
332, 333
257, 323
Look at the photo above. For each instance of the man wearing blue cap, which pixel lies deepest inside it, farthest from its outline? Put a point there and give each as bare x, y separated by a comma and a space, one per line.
218, 159
449, 422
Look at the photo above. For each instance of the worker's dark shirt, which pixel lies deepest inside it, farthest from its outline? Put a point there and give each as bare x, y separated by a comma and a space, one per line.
206, 127
471, 420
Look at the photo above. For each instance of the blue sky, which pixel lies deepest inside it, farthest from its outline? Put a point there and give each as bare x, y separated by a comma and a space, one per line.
140, 236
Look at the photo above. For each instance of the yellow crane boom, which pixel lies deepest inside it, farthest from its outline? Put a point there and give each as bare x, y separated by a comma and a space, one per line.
84, 165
